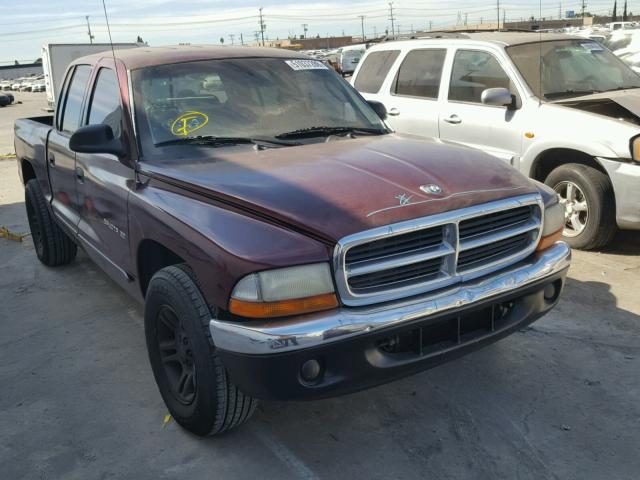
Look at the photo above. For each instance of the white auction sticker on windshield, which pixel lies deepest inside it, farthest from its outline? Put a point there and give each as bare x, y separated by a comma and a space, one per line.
306, 65
592, 46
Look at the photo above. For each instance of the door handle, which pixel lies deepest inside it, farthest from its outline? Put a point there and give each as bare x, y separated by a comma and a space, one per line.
454, 119
52, 159
394, 112
80, 174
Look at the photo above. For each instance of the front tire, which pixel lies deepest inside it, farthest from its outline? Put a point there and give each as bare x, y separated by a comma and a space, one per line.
590, 210
193, 382
53, 246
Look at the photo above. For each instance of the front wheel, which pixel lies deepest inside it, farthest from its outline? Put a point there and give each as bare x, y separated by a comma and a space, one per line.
193, 382
588, 198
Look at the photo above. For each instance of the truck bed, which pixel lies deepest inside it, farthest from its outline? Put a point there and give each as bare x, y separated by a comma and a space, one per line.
31, 144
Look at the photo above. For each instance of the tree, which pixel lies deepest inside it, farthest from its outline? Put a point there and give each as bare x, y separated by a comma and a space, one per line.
624, 13
222, 40
614, 15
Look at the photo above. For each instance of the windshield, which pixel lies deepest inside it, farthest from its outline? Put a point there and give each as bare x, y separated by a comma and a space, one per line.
571, 68
248, 98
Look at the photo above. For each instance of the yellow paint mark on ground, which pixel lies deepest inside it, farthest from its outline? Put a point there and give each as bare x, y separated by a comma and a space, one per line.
7, 155
9, 235
167, 419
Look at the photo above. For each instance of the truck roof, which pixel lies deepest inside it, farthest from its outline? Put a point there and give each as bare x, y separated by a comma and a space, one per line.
504, 39
134, 58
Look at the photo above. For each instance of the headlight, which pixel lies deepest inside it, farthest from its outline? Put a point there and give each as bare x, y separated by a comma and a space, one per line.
552, 225
635, 149
284, 291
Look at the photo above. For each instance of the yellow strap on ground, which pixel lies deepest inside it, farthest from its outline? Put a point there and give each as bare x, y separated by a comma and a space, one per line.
7, 155
8, 234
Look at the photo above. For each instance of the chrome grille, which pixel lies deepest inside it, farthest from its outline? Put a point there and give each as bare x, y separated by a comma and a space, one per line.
429, 253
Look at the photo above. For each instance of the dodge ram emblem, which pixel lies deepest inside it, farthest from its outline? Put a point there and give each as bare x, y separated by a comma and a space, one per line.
431, 188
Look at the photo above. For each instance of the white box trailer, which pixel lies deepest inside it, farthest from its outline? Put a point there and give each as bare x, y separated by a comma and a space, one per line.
56, 57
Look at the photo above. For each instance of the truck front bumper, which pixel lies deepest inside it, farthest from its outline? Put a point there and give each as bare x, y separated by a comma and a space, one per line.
355, 348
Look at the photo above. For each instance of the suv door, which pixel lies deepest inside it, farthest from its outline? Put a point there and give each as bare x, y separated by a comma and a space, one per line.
103, 180
412, 100
465, 119
61, 160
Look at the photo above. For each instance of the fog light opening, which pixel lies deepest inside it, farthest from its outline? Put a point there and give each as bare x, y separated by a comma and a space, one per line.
310, 371
552, 291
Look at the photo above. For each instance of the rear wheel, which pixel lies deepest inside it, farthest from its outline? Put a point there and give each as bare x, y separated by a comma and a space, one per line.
53, 246
191, 378
588, 198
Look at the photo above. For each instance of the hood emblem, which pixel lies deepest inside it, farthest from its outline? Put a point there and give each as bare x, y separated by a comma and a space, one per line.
431, 188
403, 198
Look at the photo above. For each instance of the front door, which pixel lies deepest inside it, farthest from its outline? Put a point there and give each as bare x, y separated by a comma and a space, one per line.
62, 161
465, 119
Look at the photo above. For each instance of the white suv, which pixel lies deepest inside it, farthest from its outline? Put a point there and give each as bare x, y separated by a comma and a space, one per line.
562, 109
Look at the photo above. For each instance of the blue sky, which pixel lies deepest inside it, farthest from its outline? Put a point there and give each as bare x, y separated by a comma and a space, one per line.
26, 24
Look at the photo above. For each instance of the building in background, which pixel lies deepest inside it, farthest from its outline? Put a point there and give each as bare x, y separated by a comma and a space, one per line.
9, 72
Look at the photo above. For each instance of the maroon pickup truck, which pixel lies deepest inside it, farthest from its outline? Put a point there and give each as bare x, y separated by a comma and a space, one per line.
285, 243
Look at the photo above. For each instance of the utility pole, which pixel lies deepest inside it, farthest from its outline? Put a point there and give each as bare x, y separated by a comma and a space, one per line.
241, 40
262, 27
91, 37
375, 32
361, 17
560, 11
498, 10
391, 17
504, 17
465, 19
232, 37
304, 29
583, 7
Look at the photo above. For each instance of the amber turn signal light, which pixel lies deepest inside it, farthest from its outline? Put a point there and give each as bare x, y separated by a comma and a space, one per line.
283, 308
546, 242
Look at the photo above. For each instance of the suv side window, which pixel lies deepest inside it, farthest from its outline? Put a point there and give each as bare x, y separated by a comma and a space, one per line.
374, 70
472, 73
73, 100
105, 102
420, 74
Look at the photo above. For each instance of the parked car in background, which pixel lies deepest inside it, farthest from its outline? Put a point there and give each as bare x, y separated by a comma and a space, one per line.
5, 84
564, 111
285, 243
15, 86
613, 26
348, 58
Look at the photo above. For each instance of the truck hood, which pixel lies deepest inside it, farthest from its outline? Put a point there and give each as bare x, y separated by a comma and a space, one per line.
340, 187
619, 105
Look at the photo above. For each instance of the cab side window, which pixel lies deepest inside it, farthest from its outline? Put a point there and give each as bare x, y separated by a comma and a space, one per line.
472, 73
73, 100
420, 74
105, 102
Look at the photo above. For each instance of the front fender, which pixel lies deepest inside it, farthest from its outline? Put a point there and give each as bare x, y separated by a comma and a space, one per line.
219, 244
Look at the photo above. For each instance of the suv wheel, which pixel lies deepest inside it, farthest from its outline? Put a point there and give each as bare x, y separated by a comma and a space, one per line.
590, 212
190, 376
53, 246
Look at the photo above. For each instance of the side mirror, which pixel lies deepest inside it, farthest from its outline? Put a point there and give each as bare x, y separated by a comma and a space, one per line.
96, 139
379, 108
498, 97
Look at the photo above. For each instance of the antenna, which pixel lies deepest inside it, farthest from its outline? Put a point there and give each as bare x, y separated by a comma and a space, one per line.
113, 52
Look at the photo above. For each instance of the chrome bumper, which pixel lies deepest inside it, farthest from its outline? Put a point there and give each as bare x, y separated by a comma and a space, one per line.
307, 331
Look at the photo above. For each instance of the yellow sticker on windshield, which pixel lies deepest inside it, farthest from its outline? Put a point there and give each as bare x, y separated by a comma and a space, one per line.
188, 122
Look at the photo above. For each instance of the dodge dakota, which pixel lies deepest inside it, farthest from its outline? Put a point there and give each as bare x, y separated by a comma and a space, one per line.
285, 242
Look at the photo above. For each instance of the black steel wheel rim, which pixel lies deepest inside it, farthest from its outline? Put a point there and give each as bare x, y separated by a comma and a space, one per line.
176, 355
34, 226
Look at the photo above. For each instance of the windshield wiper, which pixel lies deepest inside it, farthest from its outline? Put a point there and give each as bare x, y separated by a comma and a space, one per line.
221, 141
322, 131
570, 93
